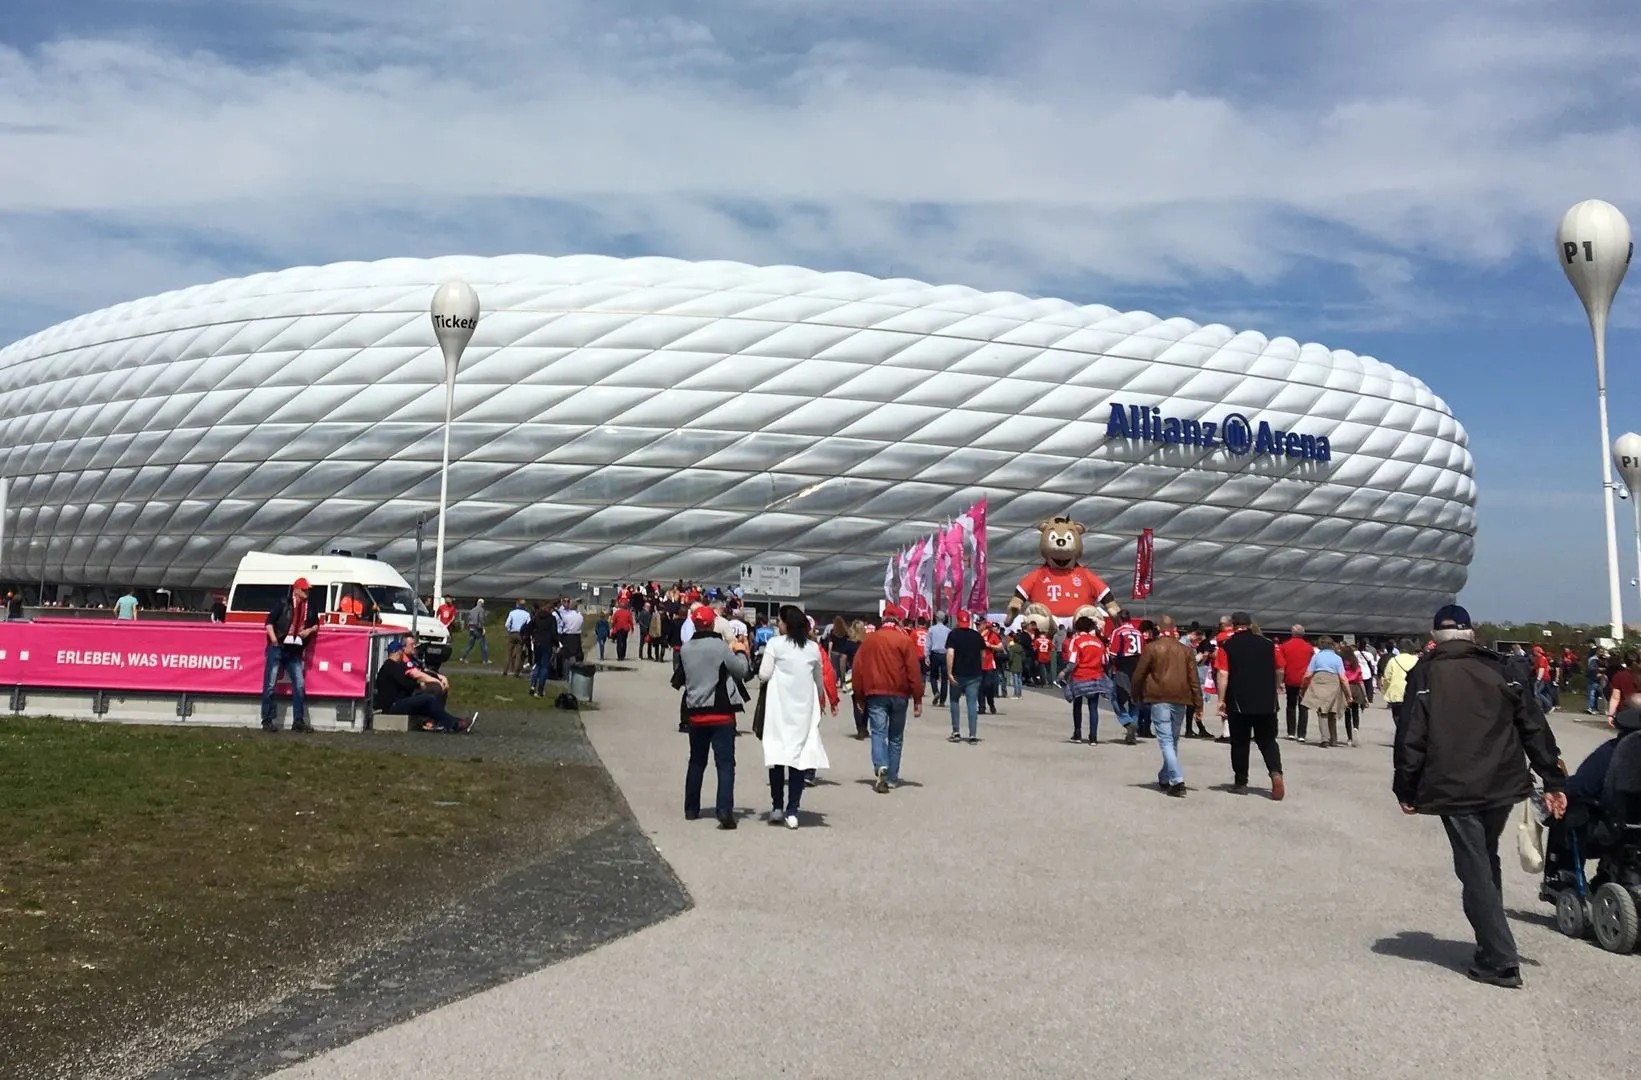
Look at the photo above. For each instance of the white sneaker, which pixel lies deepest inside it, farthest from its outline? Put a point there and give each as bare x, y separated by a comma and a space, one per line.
792, 821
882, 785
775, 815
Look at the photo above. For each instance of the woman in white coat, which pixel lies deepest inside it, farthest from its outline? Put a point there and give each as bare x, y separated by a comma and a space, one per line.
791, 670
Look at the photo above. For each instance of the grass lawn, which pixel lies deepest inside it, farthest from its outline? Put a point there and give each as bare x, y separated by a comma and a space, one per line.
155, 873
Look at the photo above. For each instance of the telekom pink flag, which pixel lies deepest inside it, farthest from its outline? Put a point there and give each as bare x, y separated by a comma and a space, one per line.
979, 594
953, 544
914, 569
905, 564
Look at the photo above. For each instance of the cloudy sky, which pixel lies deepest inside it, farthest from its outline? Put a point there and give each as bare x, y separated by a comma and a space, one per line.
1384, 176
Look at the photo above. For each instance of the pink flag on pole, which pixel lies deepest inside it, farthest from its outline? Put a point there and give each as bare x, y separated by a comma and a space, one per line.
889, 581
905, 591
955, 539
939, 566
979, 595
925, 578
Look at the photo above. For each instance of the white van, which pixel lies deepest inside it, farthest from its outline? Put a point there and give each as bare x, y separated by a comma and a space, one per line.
346, 588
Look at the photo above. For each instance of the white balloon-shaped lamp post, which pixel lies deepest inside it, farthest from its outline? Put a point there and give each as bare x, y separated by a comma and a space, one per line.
1593, 244
1627, 460
455, 317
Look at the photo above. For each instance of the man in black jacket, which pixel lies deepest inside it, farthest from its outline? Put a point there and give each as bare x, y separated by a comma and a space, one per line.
408, 691
290, 629
1466, 728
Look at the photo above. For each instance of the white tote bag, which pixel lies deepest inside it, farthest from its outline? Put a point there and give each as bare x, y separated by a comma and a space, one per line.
1530, 840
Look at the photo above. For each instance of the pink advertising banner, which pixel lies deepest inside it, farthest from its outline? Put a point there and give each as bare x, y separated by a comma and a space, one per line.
196, 658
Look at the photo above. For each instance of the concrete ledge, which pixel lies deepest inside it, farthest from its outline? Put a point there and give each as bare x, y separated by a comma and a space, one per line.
121, 707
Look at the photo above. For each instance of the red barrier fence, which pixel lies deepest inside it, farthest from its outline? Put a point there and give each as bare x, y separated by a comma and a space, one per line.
173, 657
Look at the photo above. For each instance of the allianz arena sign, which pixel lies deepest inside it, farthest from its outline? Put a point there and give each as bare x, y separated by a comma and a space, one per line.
1233, 432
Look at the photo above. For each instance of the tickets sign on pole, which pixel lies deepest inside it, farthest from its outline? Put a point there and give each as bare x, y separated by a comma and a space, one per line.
770, 579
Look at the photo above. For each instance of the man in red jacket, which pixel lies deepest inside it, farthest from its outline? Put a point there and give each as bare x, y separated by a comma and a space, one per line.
621, 626
888, 674
1295, 655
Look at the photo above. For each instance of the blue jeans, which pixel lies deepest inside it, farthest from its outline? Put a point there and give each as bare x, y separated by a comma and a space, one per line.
1592, 693
275, 661
1018, 678
937, 674
1122, 700
1546, 694
1093, 716
1165, 721
720, 739
538, 674
476, 637
886, 720
967, 688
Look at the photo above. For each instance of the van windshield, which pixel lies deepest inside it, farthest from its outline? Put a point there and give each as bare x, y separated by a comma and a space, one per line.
391, 600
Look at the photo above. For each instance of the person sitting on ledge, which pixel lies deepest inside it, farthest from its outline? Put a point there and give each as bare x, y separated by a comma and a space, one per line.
410, 692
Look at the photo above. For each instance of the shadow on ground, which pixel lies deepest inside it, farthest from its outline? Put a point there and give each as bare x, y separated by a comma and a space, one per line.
605, 885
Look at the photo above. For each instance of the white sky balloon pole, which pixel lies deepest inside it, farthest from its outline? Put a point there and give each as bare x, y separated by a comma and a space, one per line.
1627, 459
455, 316
1593, 244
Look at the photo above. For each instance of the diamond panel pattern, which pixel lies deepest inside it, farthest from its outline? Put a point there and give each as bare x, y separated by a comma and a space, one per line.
651, 418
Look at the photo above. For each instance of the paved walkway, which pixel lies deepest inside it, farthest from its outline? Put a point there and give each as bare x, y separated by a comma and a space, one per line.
1028, 907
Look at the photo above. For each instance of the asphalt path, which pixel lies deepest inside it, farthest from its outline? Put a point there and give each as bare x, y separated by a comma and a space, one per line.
1031, 907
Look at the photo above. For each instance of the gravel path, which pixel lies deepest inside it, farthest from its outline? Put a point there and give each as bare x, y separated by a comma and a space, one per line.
1027, 907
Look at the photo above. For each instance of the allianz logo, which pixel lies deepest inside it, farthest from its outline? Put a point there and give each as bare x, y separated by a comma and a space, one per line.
1233, 432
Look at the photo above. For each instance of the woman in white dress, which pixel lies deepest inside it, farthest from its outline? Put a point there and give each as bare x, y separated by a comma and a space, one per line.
791, 669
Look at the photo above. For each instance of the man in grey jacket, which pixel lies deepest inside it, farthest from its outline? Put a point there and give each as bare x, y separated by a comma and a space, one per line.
710, 673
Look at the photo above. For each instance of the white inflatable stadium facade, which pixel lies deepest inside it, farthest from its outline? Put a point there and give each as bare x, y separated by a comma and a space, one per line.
655, 419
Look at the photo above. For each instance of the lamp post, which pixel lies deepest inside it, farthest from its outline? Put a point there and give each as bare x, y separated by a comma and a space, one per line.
455, 314
416, 600
1627, 460
1593, 244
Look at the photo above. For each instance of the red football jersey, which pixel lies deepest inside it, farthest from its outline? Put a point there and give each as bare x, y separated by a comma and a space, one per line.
1045, 648
1063, 591
1221, 661
920, 638
1087, 652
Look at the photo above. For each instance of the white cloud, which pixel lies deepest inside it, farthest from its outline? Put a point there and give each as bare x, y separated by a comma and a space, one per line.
1057, 141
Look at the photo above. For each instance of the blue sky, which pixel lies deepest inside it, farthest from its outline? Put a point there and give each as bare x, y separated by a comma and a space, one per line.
1384, 177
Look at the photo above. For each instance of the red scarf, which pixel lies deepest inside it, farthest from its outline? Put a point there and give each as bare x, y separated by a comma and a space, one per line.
299, 611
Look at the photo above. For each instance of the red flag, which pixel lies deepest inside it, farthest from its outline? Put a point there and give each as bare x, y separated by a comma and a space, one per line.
1142, 566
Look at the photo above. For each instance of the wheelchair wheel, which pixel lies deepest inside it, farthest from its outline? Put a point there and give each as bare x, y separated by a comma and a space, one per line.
1572, 915
1616, 922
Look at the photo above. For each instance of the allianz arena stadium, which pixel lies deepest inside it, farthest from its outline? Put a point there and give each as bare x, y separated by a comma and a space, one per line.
626, 419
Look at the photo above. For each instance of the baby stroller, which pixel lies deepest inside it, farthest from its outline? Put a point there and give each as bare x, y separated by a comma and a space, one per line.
1609, 832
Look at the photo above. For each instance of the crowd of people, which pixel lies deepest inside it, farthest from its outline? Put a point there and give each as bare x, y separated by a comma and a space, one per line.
1470, 722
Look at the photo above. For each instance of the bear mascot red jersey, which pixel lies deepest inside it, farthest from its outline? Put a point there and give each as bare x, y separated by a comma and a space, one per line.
1062, 589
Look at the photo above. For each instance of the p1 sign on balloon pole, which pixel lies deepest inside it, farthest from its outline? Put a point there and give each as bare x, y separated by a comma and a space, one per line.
1594, 247
455, 313
1627, 460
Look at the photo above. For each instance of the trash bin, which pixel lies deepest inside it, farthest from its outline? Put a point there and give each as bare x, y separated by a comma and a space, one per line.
581, 681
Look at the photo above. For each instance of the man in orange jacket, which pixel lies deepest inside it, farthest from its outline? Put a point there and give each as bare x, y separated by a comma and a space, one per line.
888, 673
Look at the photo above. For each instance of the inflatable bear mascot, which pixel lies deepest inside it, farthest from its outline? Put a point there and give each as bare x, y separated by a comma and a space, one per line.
1062, 589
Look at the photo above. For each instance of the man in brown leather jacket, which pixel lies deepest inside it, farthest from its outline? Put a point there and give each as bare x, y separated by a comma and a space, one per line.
1166, 679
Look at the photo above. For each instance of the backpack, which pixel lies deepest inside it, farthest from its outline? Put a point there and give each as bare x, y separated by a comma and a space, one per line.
567, 700
1518, 668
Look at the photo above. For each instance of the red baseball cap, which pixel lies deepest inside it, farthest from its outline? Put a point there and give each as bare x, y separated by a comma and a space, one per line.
964, 619
891, 614
704, 618
300, 583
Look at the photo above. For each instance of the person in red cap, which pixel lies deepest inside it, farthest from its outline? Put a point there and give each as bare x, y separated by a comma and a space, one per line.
290, 627
710, 672
965, 653
888, 673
